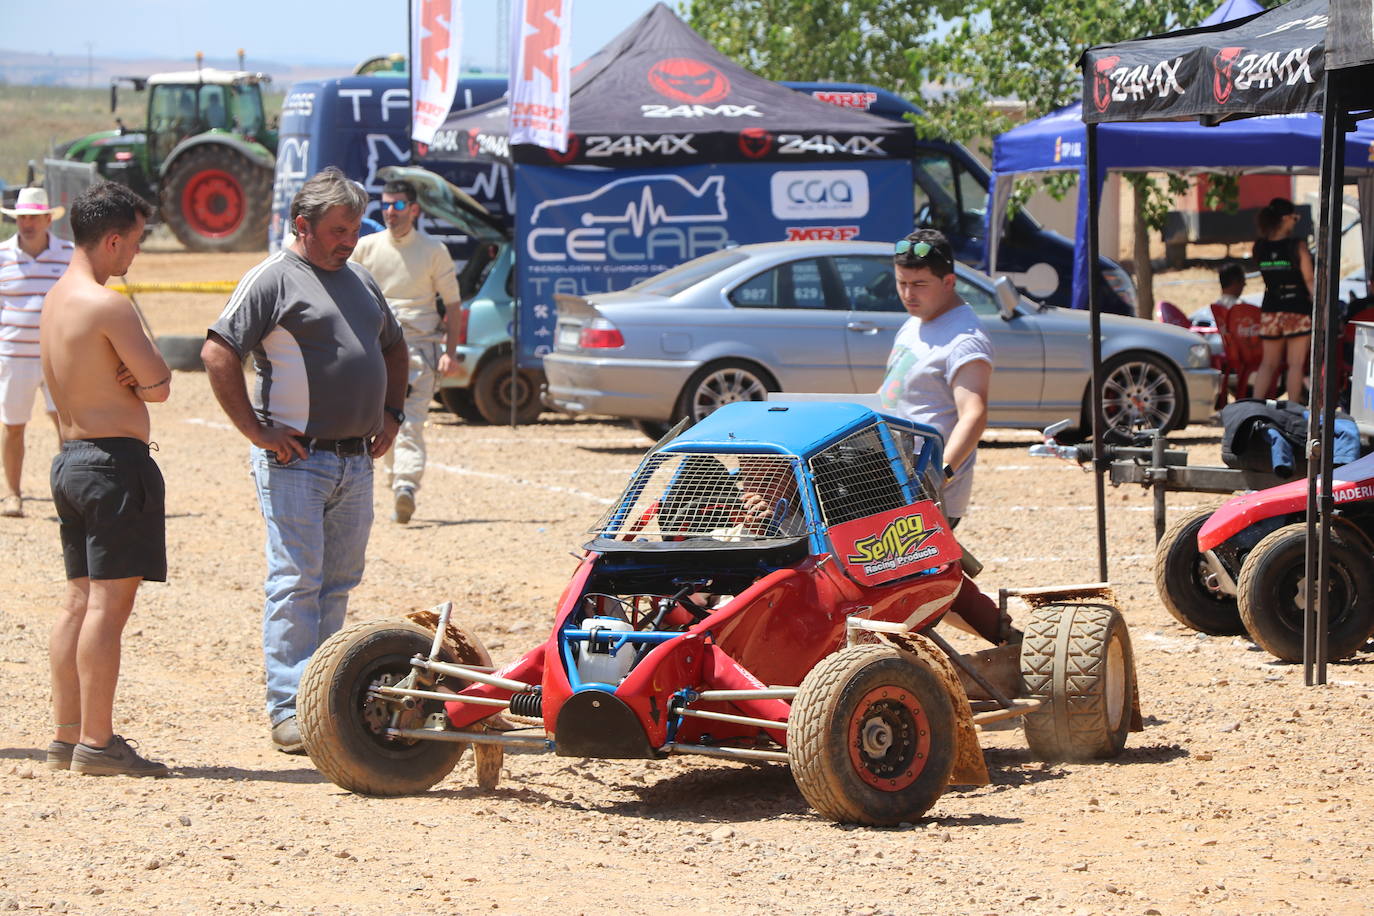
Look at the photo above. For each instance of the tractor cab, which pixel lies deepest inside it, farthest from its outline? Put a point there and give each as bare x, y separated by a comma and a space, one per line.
185, 104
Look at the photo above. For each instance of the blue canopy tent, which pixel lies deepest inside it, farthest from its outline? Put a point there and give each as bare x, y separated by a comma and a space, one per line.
1056, 142
1276, 143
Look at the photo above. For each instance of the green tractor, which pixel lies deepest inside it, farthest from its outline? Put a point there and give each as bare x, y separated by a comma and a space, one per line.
205, 159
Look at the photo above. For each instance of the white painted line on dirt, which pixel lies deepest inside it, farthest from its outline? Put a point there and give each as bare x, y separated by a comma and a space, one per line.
521, 482
558, 440
212, 424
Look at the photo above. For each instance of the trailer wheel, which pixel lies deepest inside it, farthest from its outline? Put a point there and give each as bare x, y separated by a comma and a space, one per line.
1188, 587
1076, 659
871, 737
1272, 595
343, 727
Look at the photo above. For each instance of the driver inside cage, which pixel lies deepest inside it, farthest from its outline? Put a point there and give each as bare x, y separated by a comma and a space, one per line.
772, 505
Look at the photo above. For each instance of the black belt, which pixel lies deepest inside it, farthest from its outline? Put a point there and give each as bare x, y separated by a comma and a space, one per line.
344, 448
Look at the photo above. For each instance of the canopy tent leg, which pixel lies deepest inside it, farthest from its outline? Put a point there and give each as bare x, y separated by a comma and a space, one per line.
1099, 425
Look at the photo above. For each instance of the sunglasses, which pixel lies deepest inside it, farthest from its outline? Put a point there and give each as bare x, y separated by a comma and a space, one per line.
398, 205
919, 249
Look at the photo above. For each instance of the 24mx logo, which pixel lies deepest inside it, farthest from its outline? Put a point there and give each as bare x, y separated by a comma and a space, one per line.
826, 144
662, 145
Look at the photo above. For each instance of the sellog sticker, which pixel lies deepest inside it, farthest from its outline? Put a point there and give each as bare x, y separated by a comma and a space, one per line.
899, 542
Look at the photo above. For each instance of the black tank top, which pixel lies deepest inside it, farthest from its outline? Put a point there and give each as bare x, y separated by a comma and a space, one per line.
1284, 288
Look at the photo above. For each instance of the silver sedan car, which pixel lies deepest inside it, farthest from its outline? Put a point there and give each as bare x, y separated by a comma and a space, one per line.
820, 317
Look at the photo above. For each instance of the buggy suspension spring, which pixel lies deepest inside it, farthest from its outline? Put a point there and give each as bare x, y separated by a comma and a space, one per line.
529, 704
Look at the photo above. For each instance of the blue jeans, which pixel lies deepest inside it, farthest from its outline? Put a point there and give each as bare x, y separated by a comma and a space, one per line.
319, 515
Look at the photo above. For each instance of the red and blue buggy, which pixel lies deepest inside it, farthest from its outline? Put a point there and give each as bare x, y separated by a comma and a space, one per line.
765, 589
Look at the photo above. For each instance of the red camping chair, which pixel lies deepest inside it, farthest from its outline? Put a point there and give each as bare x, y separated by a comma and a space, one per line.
1169, 313
1243, 347
1227, 365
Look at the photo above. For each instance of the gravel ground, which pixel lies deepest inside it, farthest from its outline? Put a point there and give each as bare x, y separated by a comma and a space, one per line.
1242, 795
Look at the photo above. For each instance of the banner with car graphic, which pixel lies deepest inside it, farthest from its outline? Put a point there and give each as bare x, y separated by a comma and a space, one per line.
601, 230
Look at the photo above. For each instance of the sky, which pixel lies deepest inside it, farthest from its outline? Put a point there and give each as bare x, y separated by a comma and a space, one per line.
299, 33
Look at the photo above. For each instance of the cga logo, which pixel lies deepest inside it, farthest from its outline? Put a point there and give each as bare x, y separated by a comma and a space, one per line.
654, 218
686, 79
819, 194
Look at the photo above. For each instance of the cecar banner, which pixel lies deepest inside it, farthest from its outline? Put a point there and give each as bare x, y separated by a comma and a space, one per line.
436, 36
598, 230
540, 72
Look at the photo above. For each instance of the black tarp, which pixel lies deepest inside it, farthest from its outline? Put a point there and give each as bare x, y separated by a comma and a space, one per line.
659, 94
1268, 63
1351, 41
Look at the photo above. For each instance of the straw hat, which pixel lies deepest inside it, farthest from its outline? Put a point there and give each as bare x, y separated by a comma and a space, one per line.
33, 202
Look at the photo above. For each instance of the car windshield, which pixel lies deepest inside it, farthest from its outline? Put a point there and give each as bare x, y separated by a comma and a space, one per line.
674, 281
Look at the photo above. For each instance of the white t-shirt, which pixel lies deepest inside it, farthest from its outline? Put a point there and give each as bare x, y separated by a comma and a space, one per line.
919, 382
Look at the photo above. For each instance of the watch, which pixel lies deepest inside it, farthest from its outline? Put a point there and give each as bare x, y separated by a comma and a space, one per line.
396, 414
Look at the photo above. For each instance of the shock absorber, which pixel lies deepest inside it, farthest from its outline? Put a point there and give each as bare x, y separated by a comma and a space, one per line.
529, 704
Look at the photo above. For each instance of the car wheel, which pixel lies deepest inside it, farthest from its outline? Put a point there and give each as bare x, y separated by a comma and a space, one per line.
1187, 586
871, 736
459, 402
1272, 595
1139, 391
720, 383
495, 387
653, 428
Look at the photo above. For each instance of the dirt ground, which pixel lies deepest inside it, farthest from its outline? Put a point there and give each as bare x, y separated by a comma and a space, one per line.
1242, 796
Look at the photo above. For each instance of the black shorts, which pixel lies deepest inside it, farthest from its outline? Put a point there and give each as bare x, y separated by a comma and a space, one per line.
110, 497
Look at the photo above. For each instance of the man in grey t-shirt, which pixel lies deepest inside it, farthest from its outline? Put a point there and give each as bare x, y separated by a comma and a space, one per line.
330, 365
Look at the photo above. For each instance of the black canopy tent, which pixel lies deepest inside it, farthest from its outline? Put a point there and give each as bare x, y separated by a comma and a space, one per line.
1275, 62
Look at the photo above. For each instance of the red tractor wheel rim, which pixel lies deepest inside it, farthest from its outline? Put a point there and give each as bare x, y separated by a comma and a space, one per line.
889, 739
213, 203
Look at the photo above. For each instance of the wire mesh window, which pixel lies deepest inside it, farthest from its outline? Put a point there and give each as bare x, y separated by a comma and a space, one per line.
854, 478
726, 497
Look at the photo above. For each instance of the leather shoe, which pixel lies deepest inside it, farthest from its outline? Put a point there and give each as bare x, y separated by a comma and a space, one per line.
286, 736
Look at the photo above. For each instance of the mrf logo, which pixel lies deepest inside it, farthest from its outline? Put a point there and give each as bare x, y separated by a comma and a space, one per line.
686, 79
900, 543
662, 219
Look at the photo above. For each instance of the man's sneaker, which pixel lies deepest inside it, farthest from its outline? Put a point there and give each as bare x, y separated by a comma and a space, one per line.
117, 758
60, 755
405, 505
286, 736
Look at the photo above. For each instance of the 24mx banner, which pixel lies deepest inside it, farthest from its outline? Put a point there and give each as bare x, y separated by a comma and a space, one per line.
540, 72
436, 37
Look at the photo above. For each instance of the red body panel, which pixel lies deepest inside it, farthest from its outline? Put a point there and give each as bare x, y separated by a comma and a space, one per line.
1354, 481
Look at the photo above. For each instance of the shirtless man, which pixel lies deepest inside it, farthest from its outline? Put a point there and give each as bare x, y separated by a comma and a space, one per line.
101, 369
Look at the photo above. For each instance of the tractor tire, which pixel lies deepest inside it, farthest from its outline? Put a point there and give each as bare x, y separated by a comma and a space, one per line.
1187, 586
871, 737
458, 401
493, 390
1076, 659
215, 199
1271, 595
342, 727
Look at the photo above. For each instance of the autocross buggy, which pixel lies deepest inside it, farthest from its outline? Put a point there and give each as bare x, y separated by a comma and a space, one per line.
766, 588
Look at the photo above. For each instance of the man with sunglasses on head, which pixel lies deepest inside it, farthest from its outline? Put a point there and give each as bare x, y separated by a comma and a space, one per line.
938, 374
941, 361
412, 269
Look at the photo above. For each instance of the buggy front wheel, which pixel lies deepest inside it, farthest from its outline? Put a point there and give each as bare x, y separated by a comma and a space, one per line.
344, 725
1076, 659
871, 737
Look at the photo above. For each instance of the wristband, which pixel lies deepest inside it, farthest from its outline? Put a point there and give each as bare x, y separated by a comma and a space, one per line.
153, 385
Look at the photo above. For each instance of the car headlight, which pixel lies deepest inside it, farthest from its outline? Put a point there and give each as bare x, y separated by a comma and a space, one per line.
1120, 283
1199, 356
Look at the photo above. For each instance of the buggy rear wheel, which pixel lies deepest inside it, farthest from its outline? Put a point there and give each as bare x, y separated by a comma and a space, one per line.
1077, 659
1273, 598
344, 727
1188, 587
871, 737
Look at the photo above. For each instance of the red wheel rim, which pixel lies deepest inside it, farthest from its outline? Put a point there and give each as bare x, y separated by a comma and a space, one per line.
889, 739
213, 203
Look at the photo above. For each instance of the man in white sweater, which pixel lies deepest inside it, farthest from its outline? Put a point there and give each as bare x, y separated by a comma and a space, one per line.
412, 269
